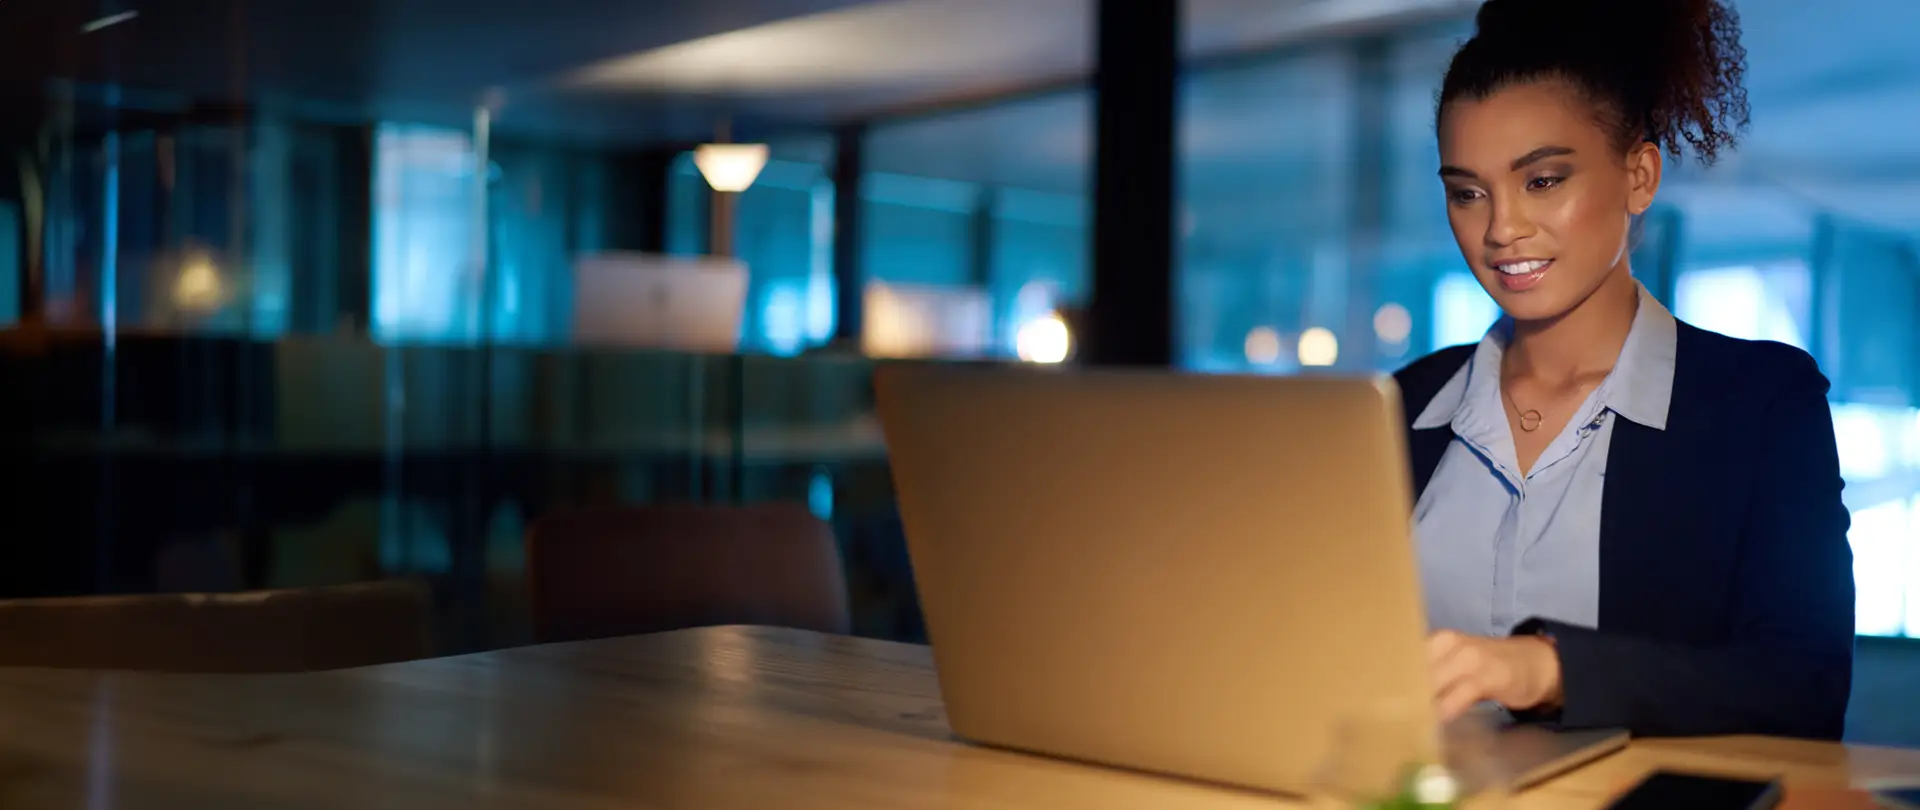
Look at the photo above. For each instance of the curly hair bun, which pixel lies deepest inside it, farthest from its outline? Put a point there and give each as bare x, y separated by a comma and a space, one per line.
1666, 71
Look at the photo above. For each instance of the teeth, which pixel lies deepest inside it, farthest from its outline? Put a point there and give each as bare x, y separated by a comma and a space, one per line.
1523, 268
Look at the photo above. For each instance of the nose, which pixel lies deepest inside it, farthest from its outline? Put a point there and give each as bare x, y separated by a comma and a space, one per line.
1509, 224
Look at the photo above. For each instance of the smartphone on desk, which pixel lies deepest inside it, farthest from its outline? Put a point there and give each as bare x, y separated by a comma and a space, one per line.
1901, 798
1670, 790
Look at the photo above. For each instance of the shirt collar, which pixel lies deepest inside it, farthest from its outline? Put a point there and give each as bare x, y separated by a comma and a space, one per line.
1640, 387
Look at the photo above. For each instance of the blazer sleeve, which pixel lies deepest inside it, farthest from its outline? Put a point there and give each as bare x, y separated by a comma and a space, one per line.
1785, 666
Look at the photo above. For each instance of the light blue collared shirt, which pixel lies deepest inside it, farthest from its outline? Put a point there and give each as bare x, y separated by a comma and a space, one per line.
1497, 548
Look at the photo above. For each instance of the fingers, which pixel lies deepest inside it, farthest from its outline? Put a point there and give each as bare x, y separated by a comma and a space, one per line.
1453, 659
1459, 668
1442, 642
1457, 700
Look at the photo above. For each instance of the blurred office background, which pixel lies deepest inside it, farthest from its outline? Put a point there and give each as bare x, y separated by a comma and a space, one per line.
290, 288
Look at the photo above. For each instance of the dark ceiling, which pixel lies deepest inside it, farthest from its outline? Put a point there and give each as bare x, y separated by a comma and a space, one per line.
421, 59
799, 63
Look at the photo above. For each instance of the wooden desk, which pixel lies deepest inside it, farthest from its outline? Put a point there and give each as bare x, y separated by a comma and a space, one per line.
711, 719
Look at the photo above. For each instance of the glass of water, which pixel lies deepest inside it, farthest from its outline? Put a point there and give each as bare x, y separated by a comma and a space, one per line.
1396, 760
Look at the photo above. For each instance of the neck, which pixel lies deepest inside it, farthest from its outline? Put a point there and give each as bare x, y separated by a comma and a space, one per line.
1585, 340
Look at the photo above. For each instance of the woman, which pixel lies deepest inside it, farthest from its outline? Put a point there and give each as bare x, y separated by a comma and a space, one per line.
1623, 521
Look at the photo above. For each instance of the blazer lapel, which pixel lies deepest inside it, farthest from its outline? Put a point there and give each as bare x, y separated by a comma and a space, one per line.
1419, 384
1638, 516
1424, 449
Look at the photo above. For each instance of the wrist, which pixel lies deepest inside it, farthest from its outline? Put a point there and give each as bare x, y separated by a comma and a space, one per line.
1546, 656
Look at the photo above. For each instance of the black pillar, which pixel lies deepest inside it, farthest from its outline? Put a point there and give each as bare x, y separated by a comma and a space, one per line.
848, 275
636, 197
354, 286
980, 261
1130, 319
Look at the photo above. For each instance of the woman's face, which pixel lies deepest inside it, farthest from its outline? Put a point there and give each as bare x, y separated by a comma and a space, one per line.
1540, 199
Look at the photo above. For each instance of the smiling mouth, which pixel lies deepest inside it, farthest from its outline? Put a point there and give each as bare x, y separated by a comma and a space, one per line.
1519, 276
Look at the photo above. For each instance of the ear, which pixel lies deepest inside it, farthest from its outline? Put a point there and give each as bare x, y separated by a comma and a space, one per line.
1643, 177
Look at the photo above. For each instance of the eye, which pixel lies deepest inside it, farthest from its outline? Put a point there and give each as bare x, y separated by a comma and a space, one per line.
1462, 196
1544, 182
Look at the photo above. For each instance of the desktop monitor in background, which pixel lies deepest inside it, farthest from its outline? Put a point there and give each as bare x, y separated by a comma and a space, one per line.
911, 321
648, 301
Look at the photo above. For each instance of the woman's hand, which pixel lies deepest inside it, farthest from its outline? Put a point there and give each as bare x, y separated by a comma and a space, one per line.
1520, 673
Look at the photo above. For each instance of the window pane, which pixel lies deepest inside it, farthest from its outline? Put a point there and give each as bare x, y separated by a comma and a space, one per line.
1873, 337
918, 230
1266, 175
1462, 310
1754, 303
1882, 538
426, 285
545, 207
789, 261
1420, 267
1911, 569
687, 212
1039, 258
981, 214
783, 233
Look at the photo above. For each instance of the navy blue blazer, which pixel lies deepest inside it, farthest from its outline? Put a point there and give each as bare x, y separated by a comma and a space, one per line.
1726, 580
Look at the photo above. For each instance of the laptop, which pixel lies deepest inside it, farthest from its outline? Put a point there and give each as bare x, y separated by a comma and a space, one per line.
647, 301
1208, 577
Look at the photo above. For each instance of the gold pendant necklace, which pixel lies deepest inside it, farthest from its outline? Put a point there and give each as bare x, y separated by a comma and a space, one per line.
1529, 419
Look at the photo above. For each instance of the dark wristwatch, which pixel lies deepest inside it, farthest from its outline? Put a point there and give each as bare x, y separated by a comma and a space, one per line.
1538, 628
1533, 627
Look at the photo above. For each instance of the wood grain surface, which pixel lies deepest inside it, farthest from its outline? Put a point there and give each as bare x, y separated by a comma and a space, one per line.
716, 719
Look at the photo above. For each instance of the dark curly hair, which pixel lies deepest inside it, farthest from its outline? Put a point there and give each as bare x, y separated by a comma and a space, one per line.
1668, 72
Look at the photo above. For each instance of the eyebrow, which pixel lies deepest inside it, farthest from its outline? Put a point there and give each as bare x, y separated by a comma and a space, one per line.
1518, 163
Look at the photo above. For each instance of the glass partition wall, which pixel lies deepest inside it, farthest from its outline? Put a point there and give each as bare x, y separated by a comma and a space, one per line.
256, 350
